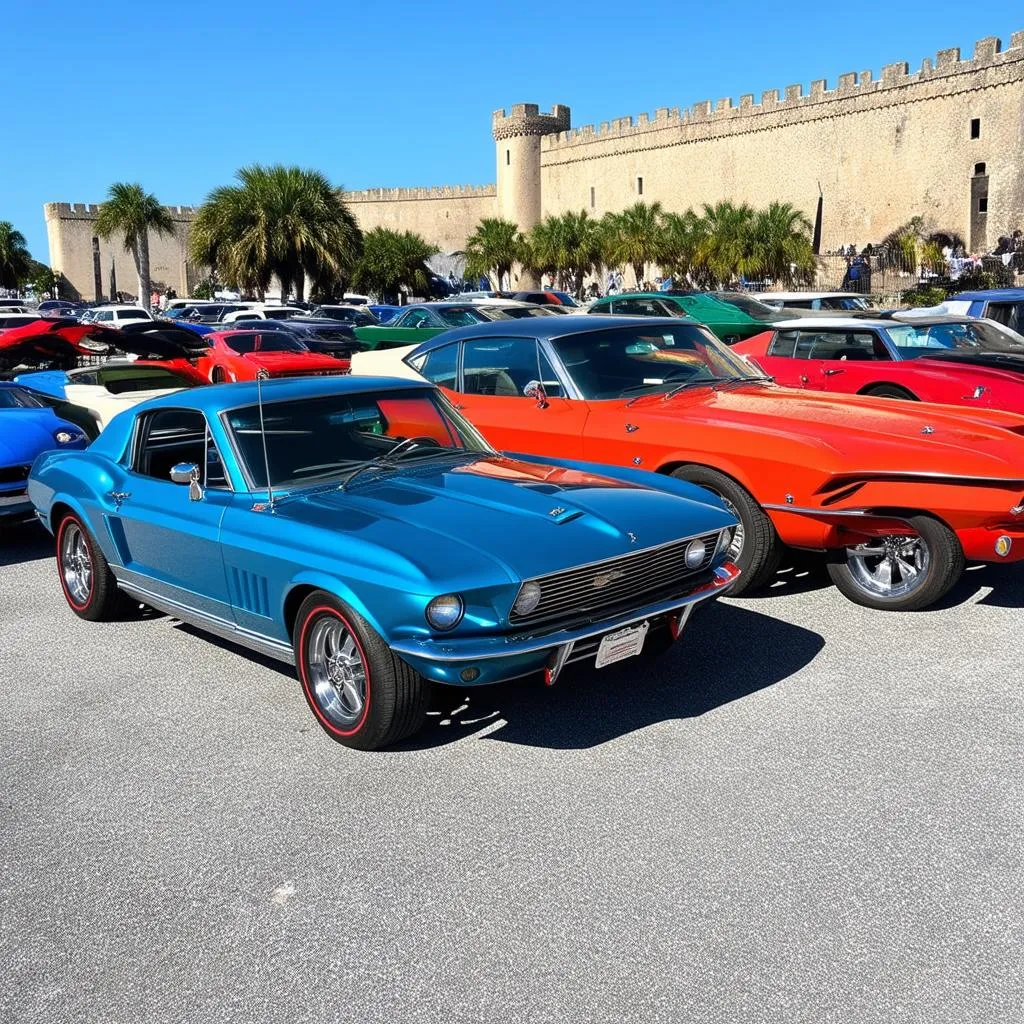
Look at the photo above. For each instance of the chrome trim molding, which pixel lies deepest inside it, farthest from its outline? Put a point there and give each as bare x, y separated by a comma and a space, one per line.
853, 513
212, 624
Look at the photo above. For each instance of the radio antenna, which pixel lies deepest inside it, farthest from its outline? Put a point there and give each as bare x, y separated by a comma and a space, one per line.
261, 376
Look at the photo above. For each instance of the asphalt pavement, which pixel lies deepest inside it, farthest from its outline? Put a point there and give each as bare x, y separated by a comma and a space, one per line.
807, 812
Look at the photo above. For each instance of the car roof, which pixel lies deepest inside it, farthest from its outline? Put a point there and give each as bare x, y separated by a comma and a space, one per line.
542, 327
215, 398
825, 323
806, 295
1013, 294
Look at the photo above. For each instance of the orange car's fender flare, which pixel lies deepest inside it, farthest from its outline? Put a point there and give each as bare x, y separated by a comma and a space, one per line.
725, 467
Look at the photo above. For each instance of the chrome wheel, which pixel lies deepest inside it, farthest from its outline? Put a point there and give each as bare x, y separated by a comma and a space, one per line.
736, 544
891, 566
337, 672
76, 564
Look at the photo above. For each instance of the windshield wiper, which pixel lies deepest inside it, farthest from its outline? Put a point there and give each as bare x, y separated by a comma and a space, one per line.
714, 382
401, 451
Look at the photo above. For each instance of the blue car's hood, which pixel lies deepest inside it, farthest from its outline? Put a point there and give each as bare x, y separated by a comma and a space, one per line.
531, 518
24, 433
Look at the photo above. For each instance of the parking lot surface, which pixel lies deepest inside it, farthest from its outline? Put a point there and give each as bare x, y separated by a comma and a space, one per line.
808, 811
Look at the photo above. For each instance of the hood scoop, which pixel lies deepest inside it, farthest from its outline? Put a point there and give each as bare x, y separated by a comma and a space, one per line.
559, 515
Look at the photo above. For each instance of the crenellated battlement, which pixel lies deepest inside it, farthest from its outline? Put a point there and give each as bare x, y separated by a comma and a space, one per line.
946, 73
395, 195
89, 211
526, 119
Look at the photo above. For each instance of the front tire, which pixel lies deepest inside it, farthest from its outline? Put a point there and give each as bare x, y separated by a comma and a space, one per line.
360, 693
85, 577
755, 547
901, 573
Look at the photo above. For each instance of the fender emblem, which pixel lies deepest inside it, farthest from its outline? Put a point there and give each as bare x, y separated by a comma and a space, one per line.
557, 511
632, 537
927, 430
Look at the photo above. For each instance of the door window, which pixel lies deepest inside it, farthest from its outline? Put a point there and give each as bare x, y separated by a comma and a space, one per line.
172, 436
640, 307
499, 366
838, 345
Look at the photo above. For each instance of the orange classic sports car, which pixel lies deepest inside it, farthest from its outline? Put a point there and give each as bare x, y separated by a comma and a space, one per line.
897, 494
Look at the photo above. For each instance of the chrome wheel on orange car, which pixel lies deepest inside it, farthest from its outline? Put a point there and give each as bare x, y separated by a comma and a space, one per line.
901, 572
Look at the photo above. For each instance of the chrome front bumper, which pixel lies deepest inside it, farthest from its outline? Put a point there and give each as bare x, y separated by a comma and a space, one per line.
485, 648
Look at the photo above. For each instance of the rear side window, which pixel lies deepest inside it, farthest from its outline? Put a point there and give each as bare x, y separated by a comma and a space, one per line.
783, 344
1006, 313
441, 367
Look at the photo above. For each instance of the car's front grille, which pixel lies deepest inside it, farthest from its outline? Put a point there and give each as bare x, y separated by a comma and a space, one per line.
13, 474
638, 578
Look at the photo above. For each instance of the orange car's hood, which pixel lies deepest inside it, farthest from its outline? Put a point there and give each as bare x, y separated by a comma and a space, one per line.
854, 432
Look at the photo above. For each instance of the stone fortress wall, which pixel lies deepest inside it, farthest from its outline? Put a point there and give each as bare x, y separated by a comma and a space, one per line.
881, 149
71, 233
944, 142
444, 216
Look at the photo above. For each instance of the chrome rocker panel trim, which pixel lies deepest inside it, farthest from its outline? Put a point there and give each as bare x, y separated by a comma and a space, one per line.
212, 624
485, 648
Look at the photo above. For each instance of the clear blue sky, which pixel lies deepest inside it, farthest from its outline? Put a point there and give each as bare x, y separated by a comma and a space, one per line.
179, 95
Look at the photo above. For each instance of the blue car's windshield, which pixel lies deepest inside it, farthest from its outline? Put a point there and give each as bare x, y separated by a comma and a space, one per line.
317, 440
915, 340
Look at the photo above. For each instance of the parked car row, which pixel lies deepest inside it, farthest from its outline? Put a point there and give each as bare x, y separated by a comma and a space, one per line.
370, 530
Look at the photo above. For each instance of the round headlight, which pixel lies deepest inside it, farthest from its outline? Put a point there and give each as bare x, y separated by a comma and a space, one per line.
694, 554
445, 612
527, 600
68, 437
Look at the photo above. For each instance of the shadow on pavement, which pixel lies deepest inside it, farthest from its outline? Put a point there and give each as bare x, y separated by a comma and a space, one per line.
24, 542
800, 573
1006, 582
727, 654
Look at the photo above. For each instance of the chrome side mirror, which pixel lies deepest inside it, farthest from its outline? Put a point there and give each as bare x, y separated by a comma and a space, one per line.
535, 389
188, 473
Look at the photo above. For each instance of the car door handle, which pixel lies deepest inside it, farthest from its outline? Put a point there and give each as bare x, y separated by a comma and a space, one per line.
830, 372
119, 496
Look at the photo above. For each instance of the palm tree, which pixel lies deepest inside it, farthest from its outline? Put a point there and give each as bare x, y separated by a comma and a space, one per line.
392, 259
132, 212
725, 252
277, 221
496, 245
15, 261
781, 247
682, 238
633, 236
568, 246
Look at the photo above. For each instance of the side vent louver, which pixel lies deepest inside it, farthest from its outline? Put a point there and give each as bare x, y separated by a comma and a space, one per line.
249, 591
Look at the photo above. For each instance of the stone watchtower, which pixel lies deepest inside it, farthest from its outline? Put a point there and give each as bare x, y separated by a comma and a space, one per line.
517, 137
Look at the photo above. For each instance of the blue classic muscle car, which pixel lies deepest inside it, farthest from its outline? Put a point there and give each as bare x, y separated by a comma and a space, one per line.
28, 426
392, 547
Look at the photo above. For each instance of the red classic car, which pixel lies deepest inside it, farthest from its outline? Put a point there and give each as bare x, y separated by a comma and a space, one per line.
897, 494
953, 360
240, 355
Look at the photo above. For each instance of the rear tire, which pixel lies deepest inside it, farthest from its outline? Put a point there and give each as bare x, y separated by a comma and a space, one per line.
890, 391
758, 549
85, 577
358, 690
900, 574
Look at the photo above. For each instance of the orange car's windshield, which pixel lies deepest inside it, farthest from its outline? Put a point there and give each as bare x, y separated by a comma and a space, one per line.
627, 361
